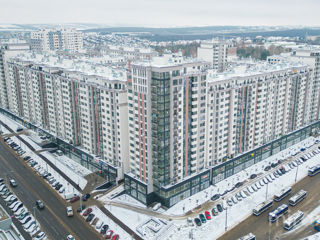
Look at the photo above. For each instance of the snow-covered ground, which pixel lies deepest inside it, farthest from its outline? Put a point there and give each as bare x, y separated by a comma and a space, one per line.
124, 198
72, 169
236, 213
112, 225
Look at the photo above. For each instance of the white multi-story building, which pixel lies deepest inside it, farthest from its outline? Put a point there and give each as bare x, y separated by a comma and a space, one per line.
167, 110
251, 106
8, 50
215, 52
83, 103
57, 39
130, 53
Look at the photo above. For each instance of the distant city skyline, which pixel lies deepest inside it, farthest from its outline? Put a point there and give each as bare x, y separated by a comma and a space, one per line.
165, 13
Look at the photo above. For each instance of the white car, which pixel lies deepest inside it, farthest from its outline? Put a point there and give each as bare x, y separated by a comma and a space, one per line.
99, 224
70, 237
14, 204
69, 211
21, 210
40, 236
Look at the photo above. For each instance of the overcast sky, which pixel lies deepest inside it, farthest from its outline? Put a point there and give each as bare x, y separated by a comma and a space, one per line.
163, 13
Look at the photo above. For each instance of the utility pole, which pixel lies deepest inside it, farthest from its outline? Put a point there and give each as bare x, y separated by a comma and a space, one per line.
296, 174
226, 226
267, 191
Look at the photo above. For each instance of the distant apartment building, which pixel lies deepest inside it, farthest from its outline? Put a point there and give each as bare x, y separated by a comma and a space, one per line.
130, 53
83, 103
215, 52
309, 56
8, 50
57, 39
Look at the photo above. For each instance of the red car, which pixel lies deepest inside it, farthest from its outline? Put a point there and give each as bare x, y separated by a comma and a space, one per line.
108, 235
115, 237
74, 199
208, 216
87, 212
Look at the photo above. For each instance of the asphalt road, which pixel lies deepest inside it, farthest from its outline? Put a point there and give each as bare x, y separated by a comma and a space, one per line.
53, 219
262, 229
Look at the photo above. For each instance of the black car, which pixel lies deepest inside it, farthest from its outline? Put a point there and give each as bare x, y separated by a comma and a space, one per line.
220, 209
81, 208
273, 165
239, 184
267, 168
282, 171
1, 180
90, 217
39, 204
58, 186
215, 197
197, 221
279, 172
86, 197
26, 158
253, 176
104, 229
19, 129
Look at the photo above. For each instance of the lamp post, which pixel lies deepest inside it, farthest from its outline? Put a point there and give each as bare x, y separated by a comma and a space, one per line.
267, 191
296, 174
226, 226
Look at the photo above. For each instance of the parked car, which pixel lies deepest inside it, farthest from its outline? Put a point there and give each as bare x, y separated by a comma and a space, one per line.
104, 229
202, 218
99, 224
253, 176
214, 211
208, 216
40, 236
215, 197
219, 207
197, 221
81, 208
115, 237
40, 204
109, 234
74, 199
90, 217
86, 197
94, 222
238, 184
87, 212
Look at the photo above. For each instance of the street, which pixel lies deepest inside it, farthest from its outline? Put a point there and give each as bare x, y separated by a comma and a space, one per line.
53, 218
262, 229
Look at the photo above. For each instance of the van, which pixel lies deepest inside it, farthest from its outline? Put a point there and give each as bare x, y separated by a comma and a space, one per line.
68, 196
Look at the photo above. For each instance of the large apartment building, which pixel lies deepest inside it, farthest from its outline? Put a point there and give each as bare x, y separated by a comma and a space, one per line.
129, 53
251, 106
56, 39
185, 119
215, 52
83, 103
8, 50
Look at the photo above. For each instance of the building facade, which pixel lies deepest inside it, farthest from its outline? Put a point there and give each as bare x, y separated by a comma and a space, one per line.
86, 107
215, 52
57, 39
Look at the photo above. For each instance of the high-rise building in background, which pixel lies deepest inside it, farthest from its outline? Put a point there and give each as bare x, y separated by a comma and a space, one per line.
8, 50
57, 39
215, 52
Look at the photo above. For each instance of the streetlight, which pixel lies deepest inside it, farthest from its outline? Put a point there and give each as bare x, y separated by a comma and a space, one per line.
296, 174
267, 191
226, 226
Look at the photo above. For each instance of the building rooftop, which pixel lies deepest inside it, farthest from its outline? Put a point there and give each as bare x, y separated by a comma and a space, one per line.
96, 66
244, 69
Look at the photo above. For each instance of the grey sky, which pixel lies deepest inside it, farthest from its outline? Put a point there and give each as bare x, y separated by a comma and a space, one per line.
163, 13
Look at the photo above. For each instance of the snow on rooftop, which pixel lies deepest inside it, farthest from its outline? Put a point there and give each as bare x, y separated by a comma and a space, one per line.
245, 69
88, 66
